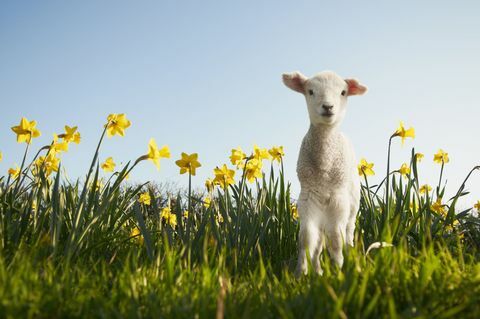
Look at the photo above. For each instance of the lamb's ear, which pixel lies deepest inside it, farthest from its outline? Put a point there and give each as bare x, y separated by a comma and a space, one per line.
355, 88
295, 81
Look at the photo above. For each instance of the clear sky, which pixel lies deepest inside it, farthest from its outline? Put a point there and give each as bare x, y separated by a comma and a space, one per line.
203, 76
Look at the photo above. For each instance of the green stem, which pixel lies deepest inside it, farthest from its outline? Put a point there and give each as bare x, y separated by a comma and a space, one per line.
440, 179
19, 178
387, 191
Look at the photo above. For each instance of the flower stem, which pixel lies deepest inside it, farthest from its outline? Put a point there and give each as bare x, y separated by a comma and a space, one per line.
19, 178
387, 191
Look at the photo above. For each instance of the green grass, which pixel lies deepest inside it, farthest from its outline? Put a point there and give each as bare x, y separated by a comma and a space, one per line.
67, 250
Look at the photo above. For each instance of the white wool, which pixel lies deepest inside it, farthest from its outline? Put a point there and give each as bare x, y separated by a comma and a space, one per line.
330, 186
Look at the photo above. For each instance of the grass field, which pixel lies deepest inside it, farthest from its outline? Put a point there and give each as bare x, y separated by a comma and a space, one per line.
107, 248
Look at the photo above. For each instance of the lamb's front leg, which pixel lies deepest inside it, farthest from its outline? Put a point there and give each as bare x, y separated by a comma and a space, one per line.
335, 244
309, 237
336, 229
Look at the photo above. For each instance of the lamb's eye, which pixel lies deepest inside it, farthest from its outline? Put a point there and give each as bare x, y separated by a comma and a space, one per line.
344, 92
310, 92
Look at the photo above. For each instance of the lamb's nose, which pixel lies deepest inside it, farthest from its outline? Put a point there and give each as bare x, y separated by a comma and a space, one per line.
327, 107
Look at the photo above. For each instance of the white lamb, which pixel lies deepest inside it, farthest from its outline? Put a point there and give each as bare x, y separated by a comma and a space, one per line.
330, 187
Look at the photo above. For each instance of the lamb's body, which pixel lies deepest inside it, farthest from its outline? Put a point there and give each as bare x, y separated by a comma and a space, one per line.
330, 194
330, 187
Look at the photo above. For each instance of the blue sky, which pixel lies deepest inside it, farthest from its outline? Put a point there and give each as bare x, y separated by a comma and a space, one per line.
205, 77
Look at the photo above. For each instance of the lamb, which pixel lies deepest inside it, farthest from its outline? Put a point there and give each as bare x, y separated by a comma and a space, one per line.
330, 187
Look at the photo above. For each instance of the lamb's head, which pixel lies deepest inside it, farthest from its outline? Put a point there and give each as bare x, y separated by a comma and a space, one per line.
326, 94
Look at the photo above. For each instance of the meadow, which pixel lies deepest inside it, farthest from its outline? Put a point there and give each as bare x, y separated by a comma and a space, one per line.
108, 248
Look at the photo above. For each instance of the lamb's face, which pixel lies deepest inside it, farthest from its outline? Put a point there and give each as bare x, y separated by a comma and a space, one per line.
326, 95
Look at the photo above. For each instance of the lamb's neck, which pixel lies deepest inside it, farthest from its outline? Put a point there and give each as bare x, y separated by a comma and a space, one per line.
323, 133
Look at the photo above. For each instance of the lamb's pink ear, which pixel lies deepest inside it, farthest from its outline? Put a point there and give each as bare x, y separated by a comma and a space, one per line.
295, 81
355, 88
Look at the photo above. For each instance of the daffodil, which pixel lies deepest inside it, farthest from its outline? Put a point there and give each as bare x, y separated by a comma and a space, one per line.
26, 130
253, 170
218, 218
413, 205
419, 157
403, 133
224, 176
438, 207
207, 201
117, 124
99, 184
14, 172
71, 135
144, 199
137, 235
237, 157
58, 147
365, 168
154, 153
425, 189
276, 153
441, 157
108, 165
404, 170
477, 206
260, 153
170, 218
294, 211
209, 185
188, 163
185, 214
48, 164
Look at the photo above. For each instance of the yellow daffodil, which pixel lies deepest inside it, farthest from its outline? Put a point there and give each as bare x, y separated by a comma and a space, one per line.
365, 168
14, 172
209, 185
294, 210
154, 153
170, 218
137, 235
413, 205
26, 130
237, 157
441, 157
253, 170
145, 199
224, 176
207, 201
477, 206
108, 165
117, 124
404, 170
425, 189
71, 135
438, 207
276, 153
99, 184
185, 214
218, 218
165, 212
403, 133
58, 147
260, 153
188, 163
419, 157
48, 164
